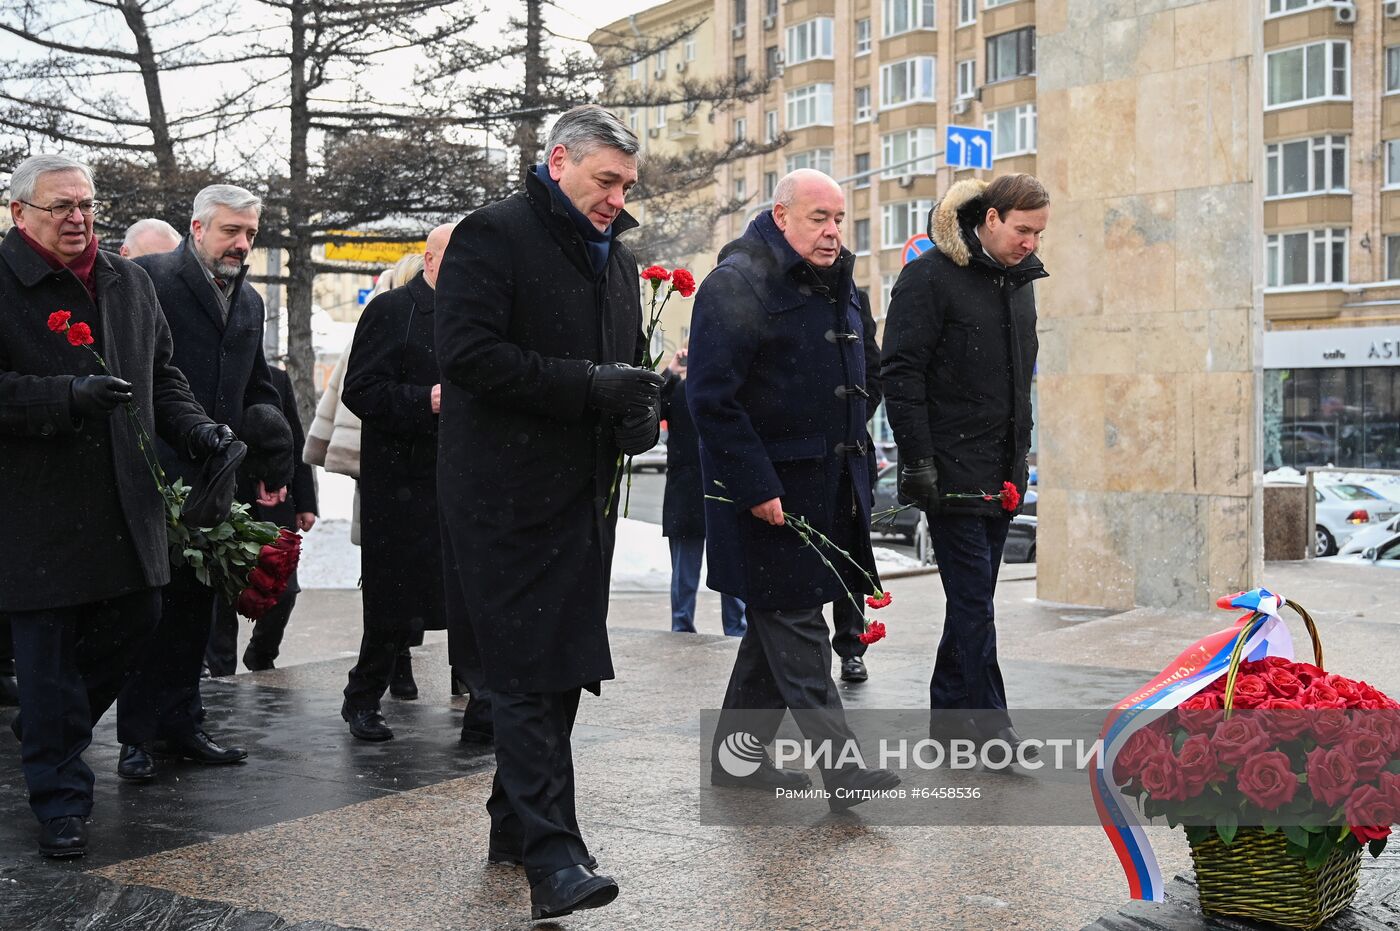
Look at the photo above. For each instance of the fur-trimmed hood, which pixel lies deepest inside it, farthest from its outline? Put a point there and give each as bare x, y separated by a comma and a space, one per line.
945, 226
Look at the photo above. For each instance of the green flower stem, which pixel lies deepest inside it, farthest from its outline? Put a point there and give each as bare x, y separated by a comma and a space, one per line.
888, 513
653, 320
143, 440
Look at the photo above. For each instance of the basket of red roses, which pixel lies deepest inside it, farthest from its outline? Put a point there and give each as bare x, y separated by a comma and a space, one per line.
1280, 773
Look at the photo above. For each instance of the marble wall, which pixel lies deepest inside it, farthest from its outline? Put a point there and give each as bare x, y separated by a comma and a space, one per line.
1150, 128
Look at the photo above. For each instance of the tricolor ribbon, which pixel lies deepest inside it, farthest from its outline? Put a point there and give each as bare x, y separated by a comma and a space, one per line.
1197, 667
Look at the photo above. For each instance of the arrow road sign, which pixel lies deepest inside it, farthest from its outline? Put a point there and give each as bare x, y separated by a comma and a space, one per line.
968, 148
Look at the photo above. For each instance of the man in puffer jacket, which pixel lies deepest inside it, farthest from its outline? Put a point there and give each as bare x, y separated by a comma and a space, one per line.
958, 356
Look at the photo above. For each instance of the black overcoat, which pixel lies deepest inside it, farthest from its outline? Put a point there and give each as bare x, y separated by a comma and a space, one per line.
777, 390
80, 517
223, 360
388, 385
958, 358
525, 469
683, 505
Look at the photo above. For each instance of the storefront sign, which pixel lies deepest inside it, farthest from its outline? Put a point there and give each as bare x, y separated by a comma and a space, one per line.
1340, 347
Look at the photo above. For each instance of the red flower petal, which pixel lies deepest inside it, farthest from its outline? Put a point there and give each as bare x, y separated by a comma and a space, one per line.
80, 334
58, 320
880, 600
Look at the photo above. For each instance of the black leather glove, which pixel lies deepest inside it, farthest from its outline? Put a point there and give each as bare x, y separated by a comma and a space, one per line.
622, 389
207, 439
637, 432
918, 484
98, 395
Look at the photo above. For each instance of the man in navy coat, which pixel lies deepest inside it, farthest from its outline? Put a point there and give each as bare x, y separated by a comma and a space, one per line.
777, 391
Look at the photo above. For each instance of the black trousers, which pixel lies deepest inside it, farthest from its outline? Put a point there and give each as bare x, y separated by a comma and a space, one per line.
846, 621
784, 662
71, 663
369, 677
162, 697
966, 673
221, 656
532, 795
467, 668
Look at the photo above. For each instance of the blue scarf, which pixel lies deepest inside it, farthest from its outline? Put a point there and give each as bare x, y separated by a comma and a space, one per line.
598, 244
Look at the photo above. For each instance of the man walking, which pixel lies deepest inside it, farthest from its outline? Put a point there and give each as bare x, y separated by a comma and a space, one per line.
777, 390
539, 335
216, 321
84, 552
959, 352
148, 237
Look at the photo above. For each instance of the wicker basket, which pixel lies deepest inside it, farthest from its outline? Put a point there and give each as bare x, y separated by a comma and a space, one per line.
1255, 877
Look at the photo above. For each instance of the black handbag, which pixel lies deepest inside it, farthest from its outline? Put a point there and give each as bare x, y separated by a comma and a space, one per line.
211, 495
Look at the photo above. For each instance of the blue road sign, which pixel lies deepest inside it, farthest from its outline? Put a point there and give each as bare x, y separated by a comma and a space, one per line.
966, 147
916, 246
364, 295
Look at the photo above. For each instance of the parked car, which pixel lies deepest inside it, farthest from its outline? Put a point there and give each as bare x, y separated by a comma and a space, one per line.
1372, 534
1344, 508
1384, 554
912, 525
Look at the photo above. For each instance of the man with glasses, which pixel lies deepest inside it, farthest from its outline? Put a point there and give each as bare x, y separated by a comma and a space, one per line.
83, 554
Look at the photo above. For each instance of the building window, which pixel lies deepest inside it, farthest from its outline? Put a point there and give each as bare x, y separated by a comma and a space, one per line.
1392, 69
661, 62
809, 105
741, 66
741, 129
741, 12
862, 168
809, 40
860, 237
908, 81
906, 15
1310, 257
660, 116
1306, 166
897, 149
1278, 7
690, 49
770, 126
863, 103
991, 3
820, 159
770, 8
863, 36
899, 222
967, 12
740, 189
1392, 162
967, 79
634, 71
1011, 55
1309, 72
633, 122
1013, 130
772, 62
1392, 258
770, 183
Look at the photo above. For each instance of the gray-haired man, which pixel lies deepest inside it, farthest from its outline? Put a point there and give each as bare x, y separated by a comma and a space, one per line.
149, 236
539, 335
217, 324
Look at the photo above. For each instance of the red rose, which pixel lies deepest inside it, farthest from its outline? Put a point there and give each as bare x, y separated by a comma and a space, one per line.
1369, 813
1330, 776
880, 601
1389, 785
1250, 691
1329, 725
58, 320
683, 281
875, 631
1367, 752
1010, 497
1201, 712
1283, 683
1237, 739
1321, 694
1346, 690
1128, 764
80, 334
1162, 778
655, 274
1307, 673
1199, 764
253, 604
1283, 719
1267, 780
267, 582
1384, 723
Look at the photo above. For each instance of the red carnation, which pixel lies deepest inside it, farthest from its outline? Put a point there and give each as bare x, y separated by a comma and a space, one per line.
1010, 497
1162, 777
1267, 780
58, 320
1331, 776
1199, 764
1136, 750
875, 631
80, 334
655, 274
1237, 739
683, 281
880, 600
1201, 712
1369, 813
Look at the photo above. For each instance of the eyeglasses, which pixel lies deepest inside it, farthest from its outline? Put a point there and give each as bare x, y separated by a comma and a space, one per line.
64, 210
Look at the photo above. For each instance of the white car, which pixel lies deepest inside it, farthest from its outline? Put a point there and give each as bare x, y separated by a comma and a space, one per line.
1384, 554
1344, 508
1369, 536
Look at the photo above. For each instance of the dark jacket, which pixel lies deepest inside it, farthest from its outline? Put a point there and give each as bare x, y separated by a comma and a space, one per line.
223, 361
82, 518
525, 469
683, 505
776, 387
959, 354
388, 385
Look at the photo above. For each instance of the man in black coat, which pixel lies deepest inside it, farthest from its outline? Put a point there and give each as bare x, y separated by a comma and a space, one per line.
959, 353
84, 552
777, 390
216, 321
298, 512
539, 337
683, 507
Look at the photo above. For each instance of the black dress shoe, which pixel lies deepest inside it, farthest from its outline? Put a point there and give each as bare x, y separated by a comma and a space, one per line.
851, 787
367, 723
477, 725
570, 890
256, 662
853, 669
401, 683
63, 837
136, 763
765, 779
1013, 740
9, 690
200, 748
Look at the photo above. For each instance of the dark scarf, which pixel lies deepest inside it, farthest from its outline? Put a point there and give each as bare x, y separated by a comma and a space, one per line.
598, 244
84, 266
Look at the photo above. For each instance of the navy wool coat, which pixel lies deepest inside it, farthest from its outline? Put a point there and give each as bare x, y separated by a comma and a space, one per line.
777, 388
